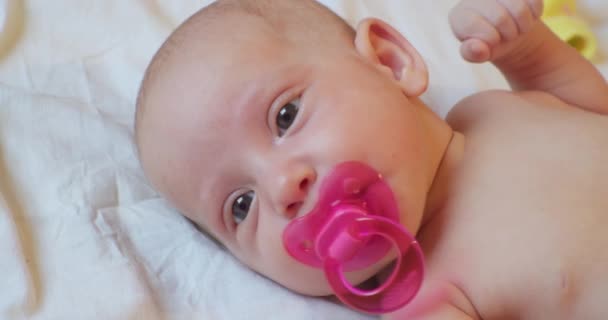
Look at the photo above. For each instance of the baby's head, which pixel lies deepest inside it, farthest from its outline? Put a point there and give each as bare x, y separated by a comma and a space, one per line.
249, 105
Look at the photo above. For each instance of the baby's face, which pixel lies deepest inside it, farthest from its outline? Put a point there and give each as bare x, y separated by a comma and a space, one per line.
258, 124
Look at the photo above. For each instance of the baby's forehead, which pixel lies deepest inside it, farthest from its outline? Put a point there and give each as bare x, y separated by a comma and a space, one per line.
231, 30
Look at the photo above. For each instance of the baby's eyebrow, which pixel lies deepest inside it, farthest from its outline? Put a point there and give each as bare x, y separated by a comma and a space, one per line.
249, 95
261, 93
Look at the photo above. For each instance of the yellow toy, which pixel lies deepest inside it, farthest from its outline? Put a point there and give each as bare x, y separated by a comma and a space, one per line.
561, 17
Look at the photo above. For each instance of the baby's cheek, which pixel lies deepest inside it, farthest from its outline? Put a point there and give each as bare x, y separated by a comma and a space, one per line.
300, 278
279, 266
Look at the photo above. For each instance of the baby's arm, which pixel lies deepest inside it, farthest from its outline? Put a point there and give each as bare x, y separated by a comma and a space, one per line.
510, 34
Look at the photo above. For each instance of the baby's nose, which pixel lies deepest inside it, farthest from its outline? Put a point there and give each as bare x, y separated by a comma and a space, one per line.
293, 184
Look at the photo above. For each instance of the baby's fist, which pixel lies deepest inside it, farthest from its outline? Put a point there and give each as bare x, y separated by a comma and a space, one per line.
485, 27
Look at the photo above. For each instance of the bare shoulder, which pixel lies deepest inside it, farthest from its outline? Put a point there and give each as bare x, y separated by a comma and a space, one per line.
479, 108
487, 108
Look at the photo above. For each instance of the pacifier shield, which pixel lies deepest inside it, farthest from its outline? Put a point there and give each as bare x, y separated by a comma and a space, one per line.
353, 226
352, 187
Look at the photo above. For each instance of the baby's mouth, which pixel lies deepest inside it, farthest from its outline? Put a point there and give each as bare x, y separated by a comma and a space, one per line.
353, 225
349, 187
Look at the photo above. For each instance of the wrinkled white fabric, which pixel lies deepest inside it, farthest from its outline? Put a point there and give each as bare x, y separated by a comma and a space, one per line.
82, 234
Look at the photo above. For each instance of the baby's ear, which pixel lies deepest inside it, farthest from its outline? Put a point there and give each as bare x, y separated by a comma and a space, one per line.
392, 54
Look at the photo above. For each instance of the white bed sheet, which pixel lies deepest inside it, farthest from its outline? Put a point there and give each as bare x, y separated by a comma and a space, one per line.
82, 235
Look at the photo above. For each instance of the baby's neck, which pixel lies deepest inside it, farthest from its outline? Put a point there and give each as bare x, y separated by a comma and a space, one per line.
445, 156
439, 192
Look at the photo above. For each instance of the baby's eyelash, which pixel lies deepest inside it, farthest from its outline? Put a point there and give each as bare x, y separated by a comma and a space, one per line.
241, 206
286, 116
289, 96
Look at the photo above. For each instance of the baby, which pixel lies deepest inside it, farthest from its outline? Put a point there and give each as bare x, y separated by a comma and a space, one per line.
249, 105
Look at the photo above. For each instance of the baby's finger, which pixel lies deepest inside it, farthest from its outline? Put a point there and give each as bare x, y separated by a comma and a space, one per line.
500, 17
521, 13
475, 50
536, 6
467, 24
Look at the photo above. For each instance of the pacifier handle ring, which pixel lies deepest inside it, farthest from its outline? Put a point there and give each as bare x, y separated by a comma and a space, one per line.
399, 288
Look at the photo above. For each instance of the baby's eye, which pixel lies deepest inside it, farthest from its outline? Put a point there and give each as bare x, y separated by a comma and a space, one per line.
240, 206
287, 115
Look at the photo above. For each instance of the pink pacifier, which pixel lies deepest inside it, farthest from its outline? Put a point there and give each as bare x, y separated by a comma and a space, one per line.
353, 226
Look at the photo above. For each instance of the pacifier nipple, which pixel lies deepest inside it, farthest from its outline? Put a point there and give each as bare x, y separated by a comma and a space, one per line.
353, 226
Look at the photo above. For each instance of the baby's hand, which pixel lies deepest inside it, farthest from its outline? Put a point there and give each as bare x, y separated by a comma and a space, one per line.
487, 27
